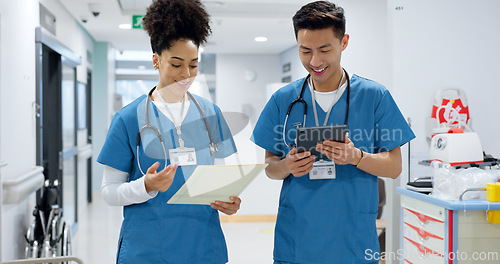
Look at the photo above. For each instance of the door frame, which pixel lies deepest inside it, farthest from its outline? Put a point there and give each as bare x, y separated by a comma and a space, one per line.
51, 55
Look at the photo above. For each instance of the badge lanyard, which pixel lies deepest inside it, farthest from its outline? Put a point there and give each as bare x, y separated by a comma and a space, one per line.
182, 155
324, 169
334, 101
176, 123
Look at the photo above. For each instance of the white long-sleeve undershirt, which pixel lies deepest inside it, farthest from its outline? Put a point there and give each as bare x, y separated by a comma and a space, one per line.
118, 192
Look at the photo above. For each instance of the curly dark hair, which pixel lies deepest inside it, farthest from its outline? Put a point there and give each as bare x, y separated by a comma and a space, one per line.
320, 15
170, 20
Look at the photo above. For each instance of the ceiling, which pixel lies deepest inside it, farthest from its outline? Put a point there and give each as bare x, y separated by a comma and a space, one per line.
235, 24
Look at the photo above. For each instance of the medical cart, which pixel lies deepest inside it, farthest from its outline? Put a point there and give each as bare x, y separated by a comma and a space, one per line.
439, 231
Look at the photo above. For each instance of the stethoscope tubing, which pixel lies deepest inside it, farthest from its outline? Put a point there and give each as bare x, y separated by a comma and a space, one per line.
212, 146
301, 100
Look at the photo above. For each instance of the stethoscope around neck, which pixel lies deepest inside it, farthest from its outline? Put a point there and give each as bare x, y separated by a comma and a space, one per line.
301, 100
212, 146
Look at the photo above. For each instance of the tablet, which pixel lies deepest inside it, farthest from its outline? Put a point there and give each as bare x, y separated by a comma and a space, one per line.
307, 137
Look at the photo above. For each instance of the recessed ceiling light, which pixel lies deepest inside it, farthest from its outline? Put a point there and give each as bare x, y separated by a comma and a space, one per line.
261, 39
125, 26
141, 67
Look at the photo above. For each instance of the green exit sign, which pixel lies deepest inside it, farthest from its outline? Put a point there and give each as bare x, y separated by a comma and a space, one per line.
137, 21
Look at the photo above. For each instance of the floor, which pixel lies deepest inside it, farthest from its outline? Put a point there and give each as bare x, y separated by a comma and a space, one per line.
96, 239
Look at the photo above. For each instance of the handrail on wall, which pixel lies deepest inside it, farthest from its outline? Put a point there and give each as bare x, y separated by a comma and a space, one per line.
85, 152
44, 260
14, 190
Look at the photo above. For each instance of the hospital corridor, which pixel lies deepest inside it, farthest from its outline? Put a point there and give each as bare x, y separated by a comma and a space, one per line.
249, 131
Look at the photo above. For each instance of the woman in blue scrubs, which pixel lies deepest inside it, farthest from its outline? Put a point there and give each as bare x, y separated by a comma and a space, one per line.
330, 218
152, 230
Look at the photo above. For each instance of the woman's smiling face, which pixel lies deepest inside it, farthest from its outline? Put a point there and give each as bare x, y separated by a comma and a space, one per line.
178, 66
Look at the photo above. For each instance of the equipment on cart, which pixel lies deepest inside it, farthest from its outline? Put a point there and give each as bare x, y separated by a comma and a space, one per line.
456, 148
459, 164
451, 139
450, 110
48, 235
451, 118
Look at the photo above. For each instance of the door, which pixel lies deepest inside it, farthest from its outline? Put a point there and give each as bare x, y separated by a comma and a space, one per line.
84, 120
89, 134
56, 126
69, 149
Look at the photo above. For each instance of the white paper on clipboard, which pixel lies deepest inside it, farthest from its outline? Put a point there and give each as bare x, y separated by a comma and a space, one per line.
209, 183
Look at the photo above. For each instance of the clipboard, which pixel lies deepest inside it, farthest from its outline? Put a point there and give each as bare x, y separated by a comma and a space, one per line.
209, 183
308, 137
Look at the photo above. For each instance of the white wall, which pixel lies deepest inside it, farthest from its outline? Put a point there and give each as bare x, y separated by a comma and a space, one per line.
232, 92
17, 83
456, 50
72, 35
368, 53
103, 87
1, 162
291, 55
18, 92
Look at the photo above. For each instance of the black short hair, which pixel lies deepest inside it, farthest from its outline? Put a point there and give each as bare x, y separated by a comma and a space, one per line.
320, 15
170, 20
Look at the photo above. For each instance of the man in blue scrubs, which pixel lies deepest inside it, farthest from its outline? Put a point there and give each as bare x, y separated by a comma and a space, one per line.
330, 218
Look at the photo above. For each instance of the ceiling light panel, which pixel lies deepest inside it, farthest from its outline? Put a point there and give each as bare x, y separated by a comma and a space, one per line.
137, 7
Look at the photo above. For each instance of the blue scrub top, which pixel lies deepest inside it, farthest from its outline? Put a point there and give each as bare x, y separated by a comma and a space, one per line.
331, 221
154, 231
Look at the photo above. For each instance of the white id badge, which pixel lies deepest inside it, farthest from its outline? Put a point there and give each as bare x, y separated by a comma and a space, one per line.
322, 170
183, 156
